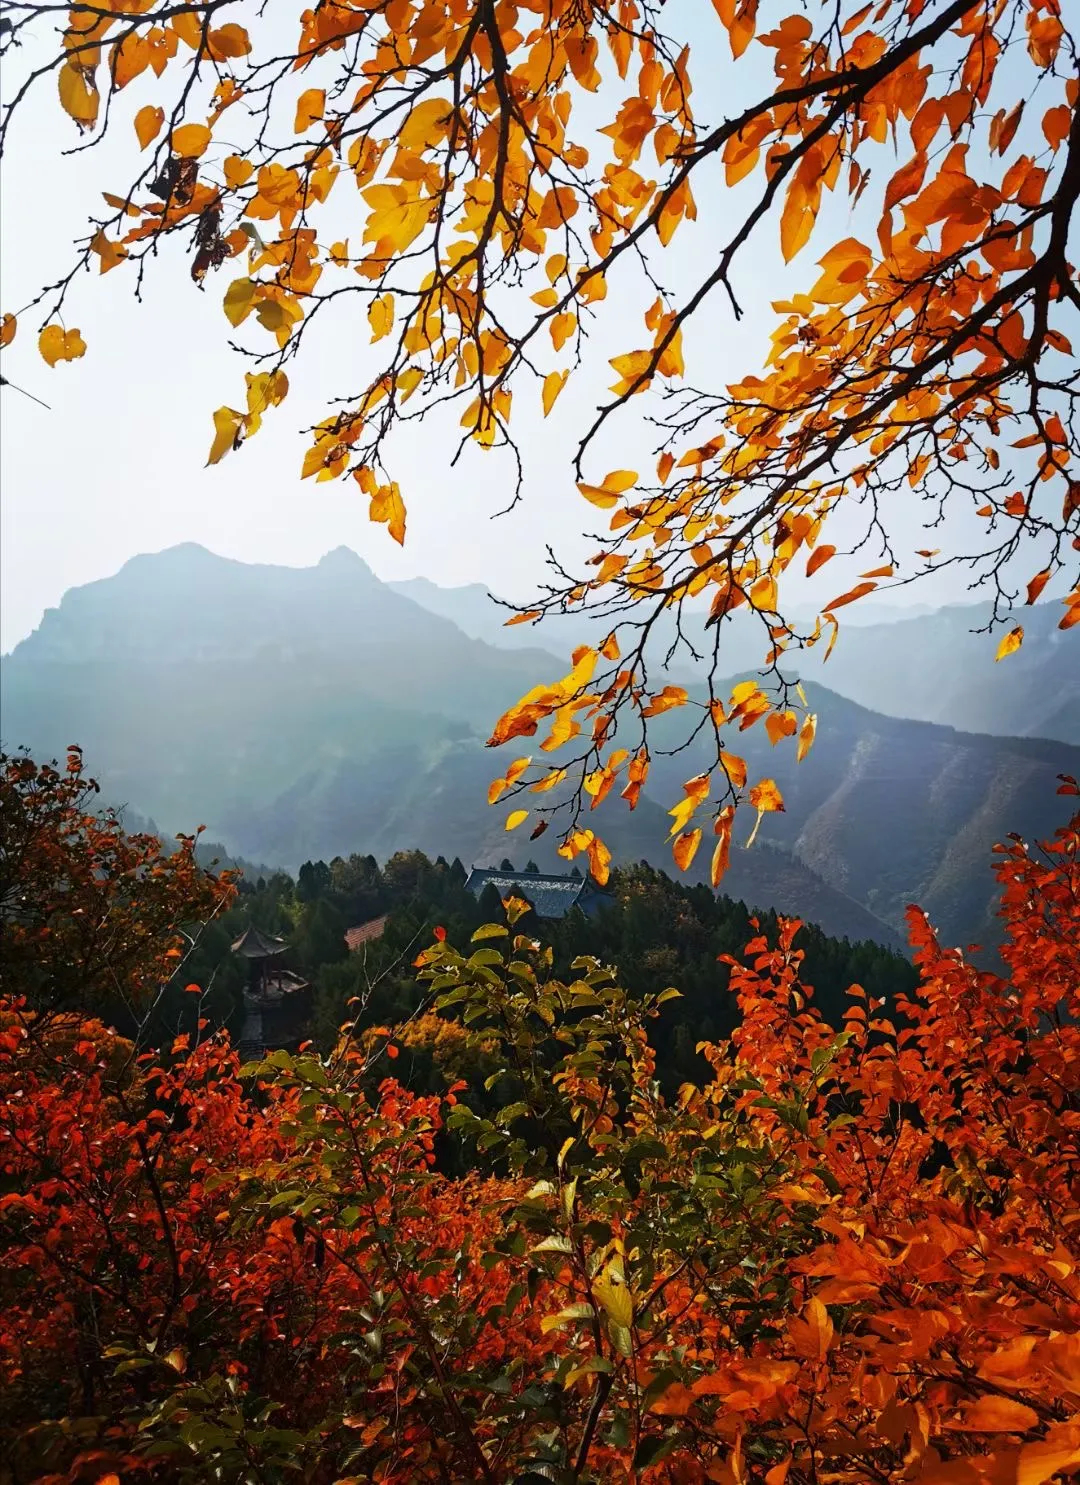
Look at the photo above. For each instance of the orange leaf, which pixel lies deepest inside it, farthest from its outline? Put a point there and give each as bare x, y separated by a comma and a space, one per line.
310, 107
8, 327
998, 1415
818, 558
780, 724
813, 1334
1037, 584
675, 1402
599, 860
1040, 1461
664, 700
722, 854
859, 591
148, 122
685, 848
735, 768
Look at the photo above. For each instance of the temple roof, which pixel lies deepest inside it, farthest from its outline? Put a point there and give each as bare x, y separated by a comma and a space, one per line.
550, 896
254, 944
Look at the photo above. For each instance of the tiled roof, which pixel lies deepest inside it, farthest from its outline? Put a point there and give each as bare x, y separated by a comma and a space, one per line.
363, 933
550, 896
254, 944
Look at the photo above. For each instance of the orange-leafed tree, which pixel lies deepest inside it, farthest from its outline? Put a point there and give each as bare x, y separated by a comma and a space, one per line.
485, 179
849, 1256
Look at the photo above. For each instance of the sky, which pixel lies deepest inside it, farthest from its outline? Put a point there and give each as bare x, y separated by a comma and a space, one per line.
115, 465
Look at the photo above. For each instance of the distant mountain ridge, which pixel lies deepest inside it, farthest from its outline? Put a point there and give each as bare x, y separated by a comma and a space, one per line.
307, 712
932, 665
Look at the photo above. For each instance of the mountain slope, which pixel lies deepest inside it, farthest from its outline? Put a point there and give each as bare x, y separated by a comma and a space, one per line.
892, 811
310, 712
932, 666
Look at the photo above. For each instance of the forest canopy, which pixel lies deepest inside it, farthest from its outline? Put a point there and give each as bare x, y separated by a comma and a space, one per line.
844, 1251
484, 180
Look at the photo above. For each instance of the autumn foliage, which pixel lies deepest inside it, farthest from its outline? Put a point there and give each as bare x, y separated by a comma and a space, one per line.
847, 1256
464, 185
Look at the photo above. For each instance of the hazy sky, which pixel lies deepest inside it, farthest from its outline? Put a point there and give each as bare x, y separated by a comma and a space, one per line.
115, 466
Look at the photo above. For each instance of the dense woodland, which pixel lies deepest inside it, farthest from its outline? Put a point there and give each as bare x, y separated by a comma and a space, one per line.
670, 934
498, 1236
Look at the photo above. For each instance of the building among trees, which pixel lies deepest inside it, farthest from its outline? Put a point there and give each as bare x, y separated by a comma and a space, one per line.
277, 1002
549, 895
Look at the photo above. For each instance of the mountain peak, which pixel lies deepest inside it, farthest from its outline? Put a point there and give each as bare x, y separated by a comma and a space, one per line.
343, 559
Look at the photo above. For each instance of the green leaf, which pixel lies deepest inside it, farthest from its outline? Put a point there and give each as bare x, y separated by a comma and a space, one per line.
490, 930
556, 1243
650, 1450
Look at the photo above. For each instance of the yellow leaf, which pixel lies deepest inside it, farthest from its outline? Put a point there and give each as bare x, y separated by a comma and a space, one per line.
78, 94
596, 496
109, 253
310, 106
619, 481
806, 736
763, 595
8, 327
381, 316
56, 344
388, 508
516, 818
148, 122
1010, 643
562, 327
780, 724
630, 367
685, 848
613, 1296
765, 796
227, 423
554, 382
190, 141
239, 297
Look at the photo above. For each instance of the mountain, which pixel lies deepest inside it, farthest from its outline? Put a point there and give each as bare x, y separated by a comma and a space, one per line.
307, 712
938, 668
932, 665
892, 811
